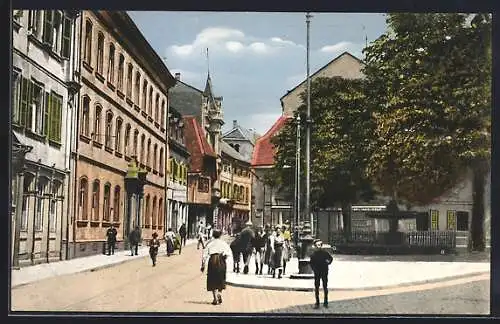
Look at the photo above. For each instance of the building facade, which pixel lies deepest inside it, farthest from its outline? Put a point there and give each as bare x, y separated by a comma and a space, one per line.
43, 100
122, 114
236, 190
178, 166
241, 139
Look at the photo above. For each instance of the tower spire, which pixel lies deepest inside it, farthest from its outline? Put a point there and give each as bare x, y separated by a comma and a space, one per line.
208, 64
366, 36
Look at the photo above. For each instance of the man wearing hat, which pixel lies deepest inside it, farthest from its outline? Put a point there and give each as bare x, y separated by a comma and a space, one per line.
247, 236
320, 260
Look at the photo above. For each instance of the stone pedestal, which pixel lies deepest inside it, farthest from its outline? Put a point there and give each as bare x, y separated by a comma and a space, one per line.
306, 246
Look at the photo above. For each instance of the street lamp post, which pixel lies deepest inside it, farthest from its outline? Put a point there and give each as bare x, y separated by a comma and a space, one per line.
297, 185
134, 185
308, 132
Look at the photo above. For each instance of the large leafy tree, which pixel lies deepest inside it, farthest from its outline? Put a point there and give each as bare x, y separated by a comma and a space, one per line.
428, 80
340, 134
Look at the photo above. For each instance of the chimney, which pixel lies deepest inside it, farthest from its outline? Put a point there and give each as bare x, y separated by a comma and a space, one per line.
178, 76
235, 123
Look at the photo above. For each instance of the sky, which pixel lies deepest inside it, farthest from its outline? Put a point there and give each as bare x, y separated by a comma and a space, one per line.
253, 58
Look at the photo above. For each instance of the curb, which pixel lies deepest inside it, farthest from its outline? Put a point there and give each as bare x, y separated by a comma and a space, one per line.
401, 285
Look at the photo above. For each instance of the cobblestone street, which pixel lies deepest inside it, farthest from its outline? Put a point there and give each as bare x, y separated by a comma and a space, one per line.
177, 285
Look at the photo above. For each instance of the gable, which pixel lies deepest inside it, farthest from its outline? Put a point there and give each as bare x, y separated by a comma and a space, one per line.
235, 134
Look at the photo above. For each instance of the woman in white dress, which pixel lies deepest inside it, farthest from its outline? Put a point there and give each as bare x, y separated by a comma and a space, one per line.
214, 255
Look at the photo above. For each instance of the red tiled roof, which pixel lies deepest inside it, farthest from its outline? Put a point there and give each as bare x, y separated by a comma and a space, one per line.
196, 144
263, 153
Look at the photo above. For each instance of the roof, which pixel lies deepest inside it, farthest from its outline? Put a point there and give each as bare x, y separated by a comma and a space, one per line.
240, 133
227, 149
196, 144
186, 99
263, 153
321, 69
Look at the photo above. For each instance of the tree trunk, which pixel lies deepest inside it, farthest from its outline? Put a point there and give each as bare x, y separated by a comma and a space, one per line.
346, 219
480, 170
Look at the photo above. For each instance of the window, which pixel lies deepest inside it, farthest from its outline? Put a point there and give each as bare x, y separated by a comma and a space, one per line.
66, 37
56, 186
118, 135
116, 205
29, 180
235, 192
161, 161
34, 19
109, 129
143, 147
16, 91
84, 128
137, 88
48, 33
57, 32
148, 153
162, 113
144, 94
40, 203
150, 103
246, 195
203, 184
136, 139
97, 124
53, 117
121, 63
127, 140
155, 156
157, 107
160, 213
435, 220
100, 52
95, 201
129, 81
35, 113
147, 214
106, 213
87, 56
83, 199
154, 214
111, 64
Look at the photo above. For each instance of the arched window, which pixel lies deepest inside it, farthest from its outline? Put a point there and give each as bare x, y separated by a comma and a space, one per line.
147, 214
87, 52
121, 63
109, 129
160, 213
116, 205
126, 148
143, 148
85, 116
162, 113
106, 213
111, 64
150, 103
235, 192
95, 200
155, 213
136, 140
155, 157
242, 193
157, 107
148, 154
162, 170
100, 52
129, 81
137, 89
246, 195
83, 197
97, 124
144, 94
118, 135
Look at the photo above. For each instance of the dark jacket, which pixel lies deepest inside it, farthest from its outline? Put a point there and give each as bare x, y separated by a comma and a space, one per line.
111, 234
246, 238
259, 242
320, 260
134, 237
182, 231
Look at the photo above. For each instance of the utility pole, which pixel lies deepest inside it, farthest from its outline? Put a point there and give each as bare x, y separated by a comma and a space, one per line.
297, 183
308, 132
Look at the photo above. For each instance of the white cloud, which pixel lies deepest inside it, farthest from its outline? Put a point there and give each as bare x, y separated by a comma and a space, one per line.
229, 40
263, 121
339, 47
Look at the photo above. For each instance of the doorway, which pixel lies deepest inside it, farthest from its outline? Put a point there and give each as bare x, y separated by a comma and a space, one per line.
462, 221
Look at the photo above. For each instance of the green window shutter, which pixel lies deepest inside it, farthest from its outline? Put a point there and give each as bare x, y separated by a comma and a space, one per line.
47, 114
48, 33
24, 101
29, 106
66, 37
58, 119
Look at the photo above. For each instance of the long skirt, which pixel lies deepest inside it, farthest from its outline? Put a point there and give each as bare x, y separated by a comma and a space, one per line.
170, 247
268, 260
278, 259
216, 272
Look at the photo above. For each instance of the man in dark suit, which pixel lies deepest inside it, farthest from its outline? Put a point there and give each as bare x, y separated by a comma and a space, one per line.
111, 238
247, 236
134, 239
183, 234
320, 261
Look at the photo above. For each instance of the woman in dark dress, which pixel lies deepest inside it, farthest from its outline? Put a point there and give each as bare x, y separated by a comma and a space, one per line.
169, 239
215, 255
154, 244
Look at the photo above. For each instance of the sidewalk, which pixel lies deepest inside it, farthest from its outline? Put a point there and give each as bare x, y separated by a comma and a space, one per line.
42, 271
360, 275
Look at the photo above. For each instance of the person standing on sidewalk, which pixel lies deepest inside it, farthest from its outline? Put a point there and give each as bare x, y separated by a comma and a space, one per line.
154, 244
259, 242
169, 239
111, 238
320, 261
134, 238
278, 252
201, 235
183, 234
246, 237
215, 255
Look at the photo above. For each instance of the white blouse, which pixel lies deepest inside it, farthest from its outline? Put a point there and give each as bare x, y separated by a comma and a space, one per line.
215, 246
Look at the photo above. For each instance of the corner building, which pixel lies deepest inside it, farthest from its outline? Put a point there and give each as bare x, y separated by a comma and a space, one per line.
123, 106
